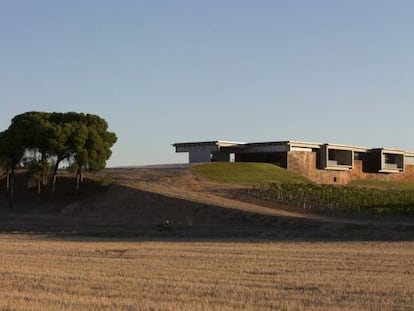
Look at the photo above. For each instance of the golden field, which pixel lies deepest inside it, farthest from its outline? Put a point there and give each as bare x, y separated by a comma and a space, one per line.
46, 273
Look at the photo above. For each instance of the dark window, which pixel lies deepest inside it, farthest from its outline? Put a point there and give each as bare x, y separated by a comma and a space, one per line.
390, 158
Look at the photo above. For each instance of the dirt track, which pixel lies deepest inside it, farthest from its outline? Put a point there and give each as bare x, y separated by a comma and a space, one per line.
143, 198
184, 184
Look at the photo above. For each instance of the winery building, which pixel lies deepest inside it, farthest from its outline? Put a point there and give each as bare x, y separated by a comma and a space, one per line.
322, 163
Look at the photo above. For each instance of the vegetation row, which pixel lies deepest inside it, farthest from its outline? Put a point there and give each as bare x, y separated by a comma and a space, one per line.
283, 186
339, 199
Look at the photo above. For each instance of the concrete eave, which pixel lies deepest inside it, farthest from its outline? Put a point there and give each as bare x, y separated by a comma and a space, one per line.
223, 143
304, 144
389, 150
267, 143
220, 143
346, 147
338, 168
390, 171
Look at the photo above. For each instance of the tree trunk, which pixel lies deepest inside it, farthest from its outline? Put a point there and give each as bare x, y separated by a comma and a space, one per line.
78, 181
55, 169
44, 179
38, 185
8, 181
11, 190
54, 182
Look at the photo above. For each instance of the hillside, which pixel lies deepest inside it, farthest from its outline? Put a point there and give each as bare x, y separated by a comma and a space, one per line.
244, 173
138, 202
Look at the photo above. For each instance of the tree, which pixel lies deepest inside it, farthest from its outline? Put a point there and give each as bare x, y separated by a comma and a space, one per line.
11, 155
37, 170
60, 148
92, 148
45, 140
36, 132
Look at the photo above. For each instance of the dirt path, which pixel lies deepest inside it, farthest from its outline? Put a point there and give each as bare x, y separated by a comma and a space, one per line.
183, 184
142, 199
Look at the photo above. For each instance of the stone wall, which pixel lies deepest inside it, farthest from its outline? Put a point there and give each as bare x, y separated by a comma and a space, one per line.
305, 163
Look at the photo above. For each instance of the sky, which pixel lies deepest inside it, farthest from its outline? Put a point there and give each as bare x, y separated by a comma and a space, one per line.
173, 71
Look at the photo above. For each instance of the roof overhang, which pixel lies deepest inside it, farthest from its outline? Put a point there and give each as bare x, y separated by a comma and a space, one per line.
219, 143
304, 144
346, 147
389, 150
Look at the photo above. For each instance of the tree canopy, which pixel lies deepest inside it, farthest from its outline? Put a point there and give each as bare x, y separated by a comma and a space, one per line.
43, 141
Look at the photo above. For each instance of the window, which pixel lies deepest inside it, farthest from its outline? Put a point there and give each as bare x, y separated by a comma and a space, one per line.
409, 160
393, 161
390, 158
331, 154
358, 155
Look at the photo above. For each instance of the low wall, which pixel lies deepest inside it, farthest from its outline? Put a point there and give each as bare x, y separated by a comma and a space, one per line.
305, 163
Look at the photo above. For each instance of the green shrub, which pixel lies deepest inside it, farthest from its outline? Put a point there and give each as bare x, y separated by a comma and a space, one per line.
106, 180
165, 226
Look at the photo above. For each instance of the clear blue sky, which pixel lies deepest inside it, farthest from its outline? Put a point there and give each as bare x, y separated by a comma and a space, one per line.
166, 71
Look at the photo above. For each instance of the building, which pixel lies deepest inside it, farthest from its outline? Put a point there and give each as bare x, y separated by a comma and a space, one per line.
322, 163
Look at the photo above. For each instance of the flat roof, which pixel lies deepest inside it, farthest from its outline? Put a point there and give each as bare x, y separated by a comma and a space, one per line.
212, 142
292, 143
305, 144
285, 142
390, 150
262, 143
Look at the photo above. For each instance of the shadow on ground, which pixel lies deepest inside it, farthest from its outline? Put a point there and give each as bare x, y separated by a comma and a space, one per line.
120, 212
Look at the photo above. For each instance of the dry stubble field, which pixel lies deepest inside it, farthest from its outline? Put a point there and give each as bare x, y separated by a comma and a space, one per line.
40, 273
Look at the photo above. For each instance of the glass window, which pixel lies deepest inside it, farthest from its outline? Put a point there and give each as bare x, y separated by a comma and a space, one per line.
390, 158
409, 160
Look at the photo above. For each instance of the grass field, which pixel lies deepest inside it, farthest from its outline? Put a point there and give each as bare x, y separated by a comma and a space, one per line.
248, 173
394, 185
38, 273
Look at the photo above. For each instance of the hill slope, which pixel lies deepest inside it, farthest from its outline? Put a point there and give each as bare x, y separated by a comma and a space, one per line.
244, 173
139, 200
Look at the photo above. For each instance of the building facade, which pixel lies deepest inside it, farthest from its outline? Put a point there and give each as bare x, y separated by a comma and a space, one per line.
321, 163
